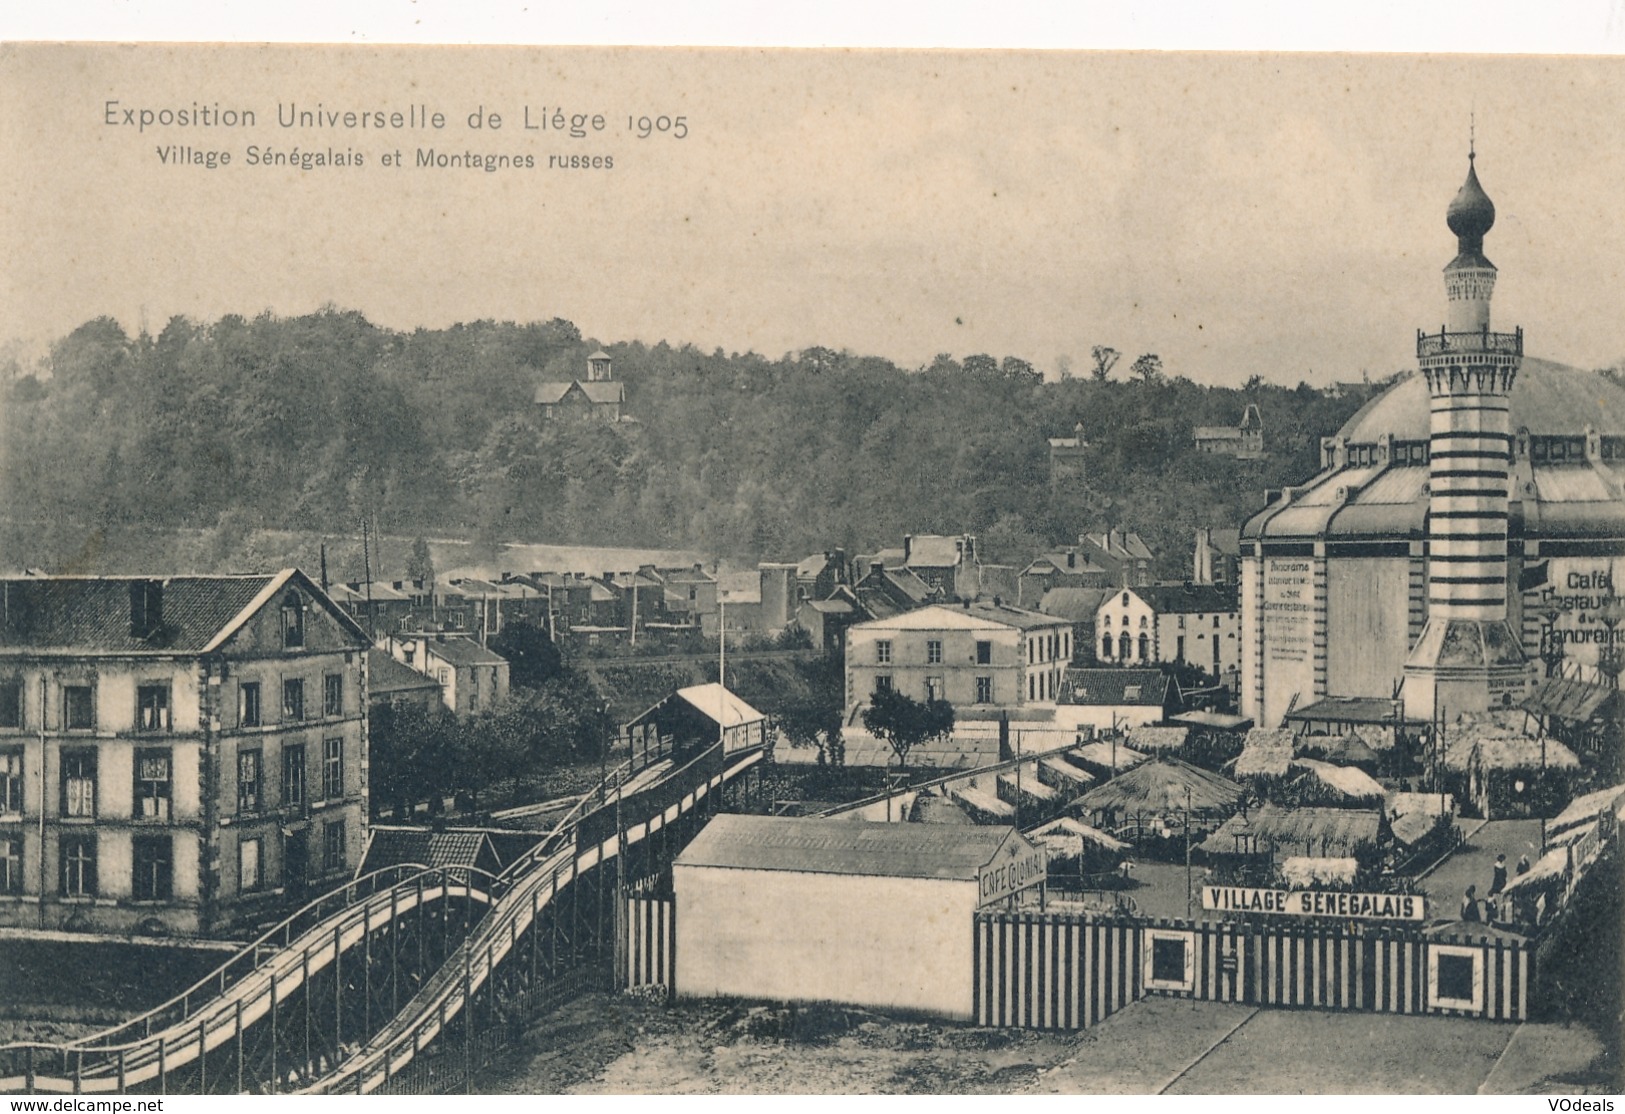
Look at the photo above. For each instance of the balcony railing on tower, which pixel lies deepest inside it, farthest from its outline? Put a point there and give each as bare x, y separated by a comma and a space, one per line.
1478, 342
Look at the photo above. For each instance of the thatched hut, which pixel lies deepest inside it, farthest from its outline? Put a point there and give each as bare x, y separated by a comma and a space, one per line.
1506, 774
1323, 833
1161, 799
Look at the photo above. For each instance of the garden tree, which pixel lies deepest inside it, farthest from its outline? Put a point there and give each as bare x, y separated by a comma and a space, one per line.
1101, 360
414, 756
905, 722
814, 718
532, 657
420, 566
1147, 368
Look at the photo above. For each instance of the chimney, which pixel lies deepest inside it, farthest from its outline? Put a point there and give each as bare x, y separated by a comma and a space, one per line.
1071, 558
146, 607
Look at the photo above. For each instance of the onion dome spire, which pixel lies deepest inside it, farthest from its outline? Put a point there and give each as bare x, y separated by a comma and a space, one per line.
1470, 216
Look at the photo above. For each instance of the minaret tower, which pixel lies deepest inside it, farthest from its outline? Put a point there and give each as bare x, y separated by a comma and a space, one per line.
1467, 658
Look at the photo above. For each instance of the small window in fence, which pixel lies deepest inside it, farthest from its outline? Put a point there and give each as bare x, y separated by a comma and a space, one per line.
1169, 960
1455, 978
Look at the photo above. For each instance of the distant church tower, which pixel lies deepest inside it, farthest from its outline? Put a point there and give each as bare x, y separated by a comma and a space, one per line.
1467, 658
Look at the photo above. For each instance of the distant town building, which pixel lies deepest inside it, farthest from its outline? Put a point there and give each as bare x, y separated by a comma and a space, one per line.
181, 755
597, 398
389, 682
1103, 700
969, 654
1066, 456
1199, 624
1244, 441
1217, 558
1122, 553
472, 679
948, 563
1078, 607
1064, 568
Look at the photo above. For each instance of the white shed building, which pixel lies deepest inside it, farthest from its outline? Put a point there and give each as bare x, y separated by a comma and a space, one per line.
868, 914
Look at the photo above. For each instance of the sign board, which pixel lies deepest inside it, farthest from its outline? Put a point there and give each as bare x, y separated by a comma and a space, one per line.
1017, 866
1314, 903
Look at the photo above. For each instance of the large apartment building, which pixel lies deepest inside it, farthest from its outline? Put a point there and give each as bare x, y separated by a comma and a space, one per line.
177, 756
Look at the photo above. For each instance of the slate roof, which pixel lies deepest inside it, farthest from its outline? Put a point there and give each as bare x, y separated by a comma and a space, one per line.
1056, 562
386, 675
956, 752
934, 551
1183, 599
462, 651
85, 615
949, 852
1136, 687
599, 392
1075, 604
974, 616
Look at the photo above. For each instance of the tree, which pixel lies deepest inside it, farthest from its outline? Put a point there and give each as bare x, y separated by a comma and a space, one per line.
905, 722
1103, 359
420, 566
532, 657
1147, 369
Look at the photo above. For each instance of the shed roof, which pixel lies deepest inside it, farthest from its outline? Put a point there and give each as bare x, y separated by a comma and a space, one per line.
1586, 808
1157, 738
1346, 709
1568, 698
1356, 785
958, 751
947, 852
719, 705
1067, 836
1103, 754
1412, 815
1117, 687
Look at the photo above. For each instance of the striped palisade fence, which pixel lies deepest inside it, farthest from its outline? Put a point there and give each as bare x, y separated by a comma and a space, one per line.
1064, 971
1054, 971
650, 941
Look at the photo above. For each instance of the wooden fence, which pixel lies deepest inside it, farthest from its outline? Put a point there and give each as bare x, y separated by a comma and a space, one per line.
650, 935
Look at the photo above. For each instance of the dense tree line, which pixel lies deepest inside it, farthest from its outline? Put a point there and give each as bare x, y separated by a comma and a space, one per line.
316, 422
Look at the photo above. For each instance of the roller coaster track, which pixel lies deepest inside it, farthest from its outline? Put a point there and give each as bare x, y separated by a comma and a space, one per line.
350, 990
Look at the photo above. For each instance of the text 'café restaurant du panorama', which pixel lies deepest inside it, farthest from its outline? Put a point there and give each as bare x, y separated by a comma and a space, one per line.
1464, 521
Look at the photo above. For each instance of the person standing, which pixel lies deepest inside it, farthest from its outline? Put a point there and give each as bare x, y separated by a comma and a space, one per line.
1469, 905
1498, 884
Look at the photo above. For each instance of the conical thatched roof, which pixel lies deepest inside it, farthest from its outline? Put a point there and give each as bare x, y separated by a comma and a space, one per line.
1162, 786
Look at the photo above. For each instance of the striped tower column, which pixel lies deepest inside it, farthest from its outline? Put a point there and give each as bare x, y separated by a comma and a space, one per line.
1467, 659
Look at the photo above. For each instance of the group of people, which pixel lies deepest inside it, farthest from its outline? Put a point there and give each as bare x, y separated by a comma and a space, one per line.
1493, 902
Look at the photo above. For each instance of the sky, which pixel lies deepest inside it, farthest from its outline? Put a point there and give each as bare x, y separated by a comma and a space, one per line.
1236, 213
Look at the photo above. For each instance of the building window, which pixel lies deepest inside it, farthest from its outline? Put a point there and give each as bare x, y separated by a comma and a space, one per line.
11, 704
1106, 646
293, 622
79, 783
333, 694
249, 877
1145, 648
78, 866
78, 708
883, 683
933, 688
333, 858
984, 690
1032, 687
984, 652
1125, 646
248, 704
154, 870
883, 652
332, 768
152, 708
11, 864
248, 781
1215, 622
152, 785
293, 700
11, 781
933, 651
1125, 599
293, 774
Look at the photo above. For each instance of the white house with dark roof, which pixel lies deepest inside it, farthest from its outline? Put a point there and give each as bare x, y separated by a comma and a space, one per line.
1199, 624
472, 679
973, 655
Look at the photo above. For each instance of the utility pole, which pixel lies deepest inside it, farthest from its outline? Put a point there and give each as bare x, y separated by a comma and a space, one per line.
1187, 851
